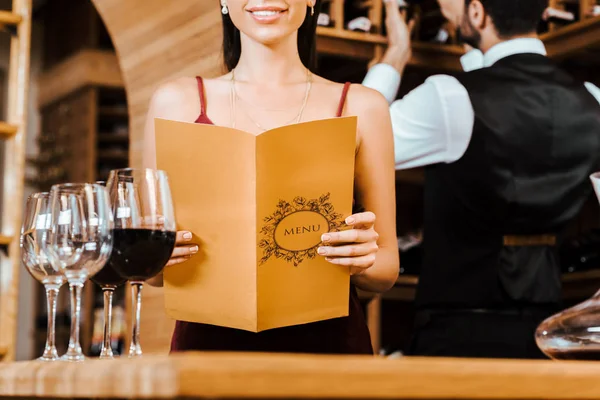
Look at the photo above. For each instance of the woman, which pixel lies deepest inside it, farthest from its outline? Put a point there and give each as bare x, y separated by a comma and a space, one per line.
268, 49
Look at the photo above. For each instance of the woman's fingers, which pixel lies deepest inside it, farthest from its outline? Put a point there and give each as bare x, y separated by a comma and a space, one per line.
364, 220
349, 236
350, 250
178, 260
184, 249
355, 263
187, 250
183, 237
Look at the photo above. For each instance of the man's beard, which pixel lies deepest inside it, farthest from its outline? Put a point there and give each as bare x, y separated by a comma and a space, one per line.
467, 33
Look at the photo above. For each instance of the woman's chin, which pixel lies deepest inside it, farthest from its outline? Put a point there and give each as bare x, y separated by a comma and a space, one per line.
269, 36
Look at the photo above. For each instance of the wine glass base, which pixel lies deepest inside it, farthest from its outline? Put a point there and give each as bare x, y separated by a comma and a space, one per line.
73, 358
48, 358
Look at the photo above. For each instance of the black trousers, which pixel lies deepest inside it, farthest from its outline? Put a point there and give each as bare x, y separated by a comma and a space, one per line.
478, 333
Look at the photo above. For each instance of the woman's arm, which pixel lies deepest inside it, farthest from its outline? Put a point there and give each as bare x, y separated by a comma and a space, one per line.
168, 102
370, 248
375, 184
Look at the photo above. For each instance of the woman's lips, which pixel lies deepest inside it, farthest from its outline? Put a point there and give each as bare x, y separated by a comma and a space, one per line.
266, 15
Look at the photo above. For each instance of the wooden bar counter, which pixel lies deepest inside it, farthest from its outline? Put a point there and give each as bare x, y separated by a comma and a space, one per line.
215, 375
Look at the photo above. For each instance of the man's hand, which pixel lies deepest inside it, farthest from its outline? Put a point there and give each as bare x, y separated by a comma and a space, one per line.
399, 50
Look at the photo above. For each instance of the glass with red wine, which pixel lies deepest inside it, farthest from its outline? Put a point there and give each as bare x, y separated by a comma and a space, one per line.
109, 280
144, 233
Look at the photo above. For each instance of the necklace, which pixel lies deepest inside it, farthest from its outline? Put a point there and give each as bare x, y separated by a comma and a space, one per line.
296, 118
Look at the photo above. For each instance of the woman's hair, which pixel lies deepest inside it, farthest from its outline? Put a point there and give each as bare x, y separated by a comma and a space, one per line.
232, 46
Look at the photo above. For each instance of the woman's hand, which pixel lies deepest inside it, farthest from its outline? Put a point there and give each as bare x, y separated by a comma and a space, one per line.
356, 247
184, 248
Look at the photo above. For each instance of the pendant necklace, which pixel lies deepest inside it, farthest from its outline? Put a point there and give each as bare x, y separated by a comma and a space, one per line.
296, 118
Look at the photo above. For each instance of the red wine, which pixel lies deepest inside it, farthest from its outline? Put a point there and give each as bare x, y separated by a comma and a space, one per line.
583, 355
140, 254
107, 276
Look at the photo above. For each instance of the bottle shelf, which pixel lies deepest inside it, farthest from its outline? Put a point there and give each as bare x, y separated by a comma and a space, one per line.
574, 39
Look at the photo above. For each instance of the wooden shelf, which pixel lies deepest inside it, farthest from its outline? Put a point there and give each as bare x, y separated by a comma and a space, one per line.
7, 130
5, 240
578, 38
113, 155
86, 68
576, 286
9, 18
360, 45
113, 112
113, 138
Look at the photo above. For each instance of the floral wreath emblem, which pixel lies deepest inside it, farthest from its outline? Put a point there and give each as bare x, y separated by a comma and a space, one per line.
268, 243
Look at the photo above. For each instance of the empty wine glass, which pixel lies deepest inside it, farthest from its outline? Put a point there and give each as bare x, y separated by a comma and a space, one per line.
36, 222
78, 243
144, 234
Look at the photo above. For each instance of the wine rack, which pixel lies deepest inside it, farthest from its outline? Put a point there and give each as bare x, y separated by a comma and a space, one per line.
435, 42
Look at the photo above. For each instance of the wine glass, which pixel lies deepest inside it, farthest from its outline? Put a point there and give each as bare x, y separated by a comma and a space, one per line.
108, 280
78, 243
144, 234
35, 224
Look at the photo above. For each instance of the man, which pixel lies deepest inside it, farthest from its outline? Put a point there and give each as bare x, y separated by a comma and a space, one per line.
509, 147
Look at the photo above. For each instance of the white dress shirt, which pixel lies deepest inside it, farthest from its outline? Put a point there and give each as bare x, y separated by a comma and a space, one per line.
434, 123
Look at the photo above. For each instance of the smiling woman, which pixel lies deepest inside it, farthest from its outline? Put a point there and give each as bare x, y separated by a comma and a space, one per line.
268, 48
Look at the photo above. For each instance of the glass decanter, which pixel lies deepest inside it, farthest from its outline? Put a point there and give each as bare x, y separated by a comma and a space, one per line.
573, 334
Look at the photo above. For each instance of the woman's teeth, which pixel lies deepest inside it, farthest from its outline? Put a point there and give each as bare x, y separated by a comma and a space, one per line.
265, 13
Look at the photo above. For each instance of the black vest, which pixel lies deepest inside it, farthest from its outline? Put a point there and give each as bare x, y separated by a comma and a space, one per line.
535, 141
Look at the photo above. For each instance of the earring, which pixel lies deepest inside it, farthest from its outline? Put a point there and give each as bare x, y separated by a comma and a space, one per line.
224, 10
312, 9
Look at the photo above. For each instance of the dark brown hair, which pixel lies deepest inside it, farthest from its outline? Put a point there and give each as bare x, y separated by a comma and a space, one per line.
514, 17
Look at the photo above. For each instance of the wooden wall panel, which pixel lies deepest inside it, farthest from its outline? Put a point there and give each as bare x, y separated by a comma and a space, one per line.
158, 40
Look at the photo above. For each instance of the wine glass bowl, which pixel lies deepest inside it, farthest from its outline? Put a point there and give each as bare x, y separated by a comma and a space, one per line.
144, 233
36, 222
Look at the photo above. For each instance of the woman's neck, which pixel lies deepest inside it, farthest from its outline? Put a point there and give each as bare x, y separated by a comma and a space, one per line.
270, 65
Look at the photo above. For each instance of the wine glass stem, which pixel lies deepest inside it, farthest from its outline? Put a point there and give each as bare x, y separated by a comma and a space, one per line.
50, 352
75, 290
106, 342
135, 349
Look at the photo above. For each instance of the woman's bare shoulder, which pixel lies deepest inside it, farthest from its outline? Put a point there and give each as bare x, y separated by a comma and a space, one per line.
178, 99
170, 98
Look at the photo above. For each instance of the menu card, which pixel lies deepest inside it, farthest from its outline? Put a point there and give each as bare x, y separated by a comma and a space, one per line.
257, 206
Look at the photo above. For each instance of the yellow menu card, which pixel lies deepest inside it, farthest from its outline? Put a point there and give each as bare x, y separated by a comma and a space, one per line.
257, 205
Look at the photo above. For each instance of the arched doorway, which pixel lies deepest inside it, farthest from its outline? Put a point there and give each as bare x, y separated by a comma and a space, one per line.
156, 41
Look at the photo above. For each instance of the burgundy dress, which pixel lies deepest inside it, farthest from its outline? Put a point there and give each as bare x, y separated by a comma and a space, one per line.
348, 335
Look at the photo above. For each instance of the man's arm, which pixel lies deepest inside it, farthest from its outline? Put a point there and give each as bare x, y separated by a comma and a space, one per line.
434, 122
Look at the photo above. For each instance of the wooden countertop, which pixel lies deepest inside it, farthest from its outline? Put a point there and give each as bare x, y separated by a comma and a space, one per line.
198, 375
